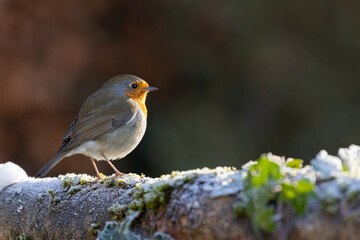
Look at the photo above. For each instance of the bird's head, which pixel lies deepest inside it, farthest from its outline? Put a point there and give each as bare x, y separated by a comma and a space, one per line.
131, 86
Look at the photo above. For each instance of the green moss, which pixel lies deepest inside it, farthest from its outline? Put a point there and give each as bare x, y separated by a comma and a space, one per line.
137, 205
138, 192
150, 197
52, 197
239, 209
352, 196
40, 199
83, 181
114, 181
156, 195
151, 201
73, 182
146, 197
118, 211
109, 182
331, 205
161, 187
94, 227
66, 183
73, 190
121, 183
51, 193
174, 173
70, 180
189, 178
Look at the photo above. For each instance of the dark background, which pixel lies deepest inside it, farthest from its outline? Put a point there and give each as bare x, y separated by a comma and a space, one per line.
236, 78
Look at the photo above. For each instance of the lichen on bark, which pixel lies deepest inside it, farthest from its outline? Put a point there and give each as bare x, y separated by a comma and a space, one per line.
272, 197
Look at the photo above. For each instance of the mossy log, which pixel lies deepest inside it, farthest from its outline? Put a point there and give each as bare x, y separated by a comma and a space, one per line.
71, 206
196, 204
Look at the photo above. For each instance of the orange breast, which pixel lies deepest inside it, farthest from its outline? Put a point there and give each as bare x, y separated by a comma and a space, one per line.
143, 107
140, 99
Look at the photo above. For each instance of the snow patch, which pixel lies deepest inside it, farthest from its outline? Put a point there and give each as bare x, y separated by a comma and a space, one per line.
11, 173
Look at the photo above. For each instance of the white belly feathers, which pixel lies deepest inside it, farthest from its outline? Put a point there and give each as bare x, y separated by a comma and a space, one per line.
117, 143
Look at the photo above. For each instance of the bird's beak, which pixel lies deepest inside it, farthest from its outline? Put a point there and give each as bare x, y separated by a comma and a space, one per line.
150, 89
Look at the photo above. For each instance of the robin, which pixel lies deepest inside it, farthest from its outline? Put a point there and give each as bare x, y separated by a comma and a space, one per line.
109, 125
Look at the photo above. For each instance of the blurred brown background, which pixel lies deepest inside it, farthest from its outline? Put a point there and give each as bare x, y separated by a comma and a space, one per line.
236, 78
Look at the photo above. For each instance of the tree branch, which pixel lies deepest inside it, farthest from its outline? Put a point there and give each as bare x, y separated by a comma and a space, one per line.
223, 203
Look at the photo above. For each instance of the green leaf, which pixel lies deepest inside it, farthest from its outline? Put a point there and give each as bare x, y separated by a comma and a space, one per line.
305, 186
297, 194
115, 230
265, 183
264, 219
259, 185
264, 171
288, 192
294, 163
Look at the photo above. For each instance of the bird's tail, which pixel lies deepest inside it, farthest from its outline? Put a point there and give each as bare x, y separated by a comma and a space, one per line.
48, 166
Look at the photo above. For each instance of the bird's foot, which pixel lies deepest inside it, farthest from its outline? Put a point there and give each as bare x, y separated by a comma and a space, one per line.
119, 174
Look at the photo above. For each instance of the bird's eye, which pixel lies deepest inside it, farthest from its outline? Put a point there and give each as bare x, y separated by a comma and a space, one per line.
134, 86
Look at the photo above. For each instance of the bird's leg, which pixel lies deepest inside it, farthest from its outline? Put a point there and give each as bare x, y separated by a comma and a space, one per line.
117, 172
96, 169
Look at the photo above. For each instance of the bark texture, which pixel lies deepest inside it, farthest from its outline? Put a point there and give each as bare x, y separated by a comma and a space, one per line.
197, 204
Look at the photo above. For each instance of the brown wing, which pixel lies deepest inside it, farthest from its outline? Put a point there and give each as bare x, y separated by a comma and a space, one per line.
98, 116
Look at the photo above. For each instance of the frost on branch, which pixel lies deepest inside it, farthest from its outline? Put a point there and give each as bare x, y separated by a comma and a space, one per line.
272, 197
